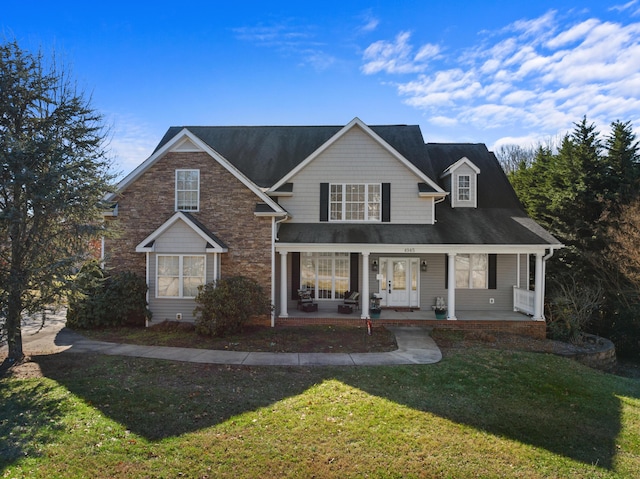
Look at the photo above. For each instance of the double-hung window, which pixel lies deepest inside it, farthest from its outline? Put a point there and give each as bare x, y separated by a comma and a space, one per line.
187, 190
464, 188
355, 202
178, 276
472, 271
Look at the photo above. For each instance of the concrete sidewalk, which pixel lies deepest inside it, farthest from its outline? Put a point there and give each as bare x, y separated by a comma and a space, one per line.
415, 346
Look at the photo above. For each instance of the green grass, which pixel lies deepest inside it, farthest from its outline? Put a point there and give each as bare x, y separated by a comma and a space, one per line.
478, 413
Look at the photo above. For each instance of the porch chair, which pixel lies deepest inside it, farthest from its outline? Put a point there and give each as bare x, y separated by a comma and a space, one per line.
352, 298
305, 300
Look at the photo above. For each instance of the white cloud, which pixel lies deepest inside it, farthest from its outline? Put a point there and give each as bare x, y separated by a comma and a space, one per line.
443, 121
632, 5
370, 22
539, 75
397, 56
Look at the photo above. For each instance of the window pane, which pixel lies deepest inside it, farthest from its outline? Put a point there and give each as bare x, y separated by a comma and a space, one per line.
462, 279
464, 190
324, 278
373, 204
190, 287
462, 271
341, 277
325, 273
168, 276
168, 286
335, 202
399, 275
168, 265
193, 266
479, 280
307, 272
187, 190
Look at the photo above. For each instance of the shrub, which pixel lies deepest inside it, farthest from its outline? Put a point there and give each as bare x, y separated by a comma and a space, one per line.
225, 306
572, 306
101, 300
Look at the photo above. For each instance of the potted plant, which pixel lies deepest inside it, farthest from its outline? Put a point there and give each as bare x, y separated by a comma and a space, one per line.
374, 310
440, 308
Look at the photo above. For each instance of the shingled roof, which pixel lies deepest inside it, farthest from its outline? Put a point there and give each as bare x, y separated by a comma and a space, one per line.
265, 154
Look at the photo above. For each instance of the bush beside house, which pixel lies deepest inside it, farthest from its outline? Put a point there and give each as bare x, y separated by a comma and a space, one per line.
102, 300
225, 306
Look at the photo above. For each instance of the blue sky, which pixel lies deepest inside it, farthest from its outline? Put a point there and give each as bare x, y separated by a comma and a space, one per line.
465, 71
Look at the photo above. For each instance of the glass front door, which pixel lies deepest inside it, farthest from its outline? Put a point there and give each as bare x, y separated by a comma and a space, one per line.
399, 282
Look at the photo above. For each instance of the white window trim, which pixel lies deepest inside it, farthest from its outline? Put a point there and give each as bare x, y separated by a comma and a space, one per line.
463, 188
180, 274
316, 256
366, 219
473, 193
176, 190
486, 271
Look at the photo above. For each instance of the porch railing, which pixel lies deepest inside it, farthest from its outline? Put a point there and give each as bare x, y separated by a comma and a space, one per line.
524, 300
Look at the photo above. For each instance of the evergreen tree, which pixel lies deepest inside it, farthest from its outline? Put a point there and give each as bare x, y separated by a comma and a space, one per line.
53, 174
622, 177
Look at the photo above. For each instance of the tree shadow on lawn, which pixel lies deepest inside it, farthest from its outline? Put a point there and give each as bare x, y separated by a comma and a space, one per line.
556, 404
29, 417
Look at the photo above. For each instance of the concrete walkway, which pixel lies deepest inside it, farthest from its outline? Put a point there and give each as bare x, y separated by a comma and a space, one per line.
415, 346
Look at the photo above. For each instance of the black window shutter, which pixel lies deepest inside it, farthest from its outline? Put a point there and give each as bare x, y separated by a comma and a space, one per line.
295, 275
354, 277
324, 201
386, 202
493, 271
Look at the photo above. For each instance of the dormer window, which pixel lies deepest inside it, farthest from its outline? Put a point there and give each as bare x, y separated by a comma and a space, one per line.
462, 183
464, 187
187, 190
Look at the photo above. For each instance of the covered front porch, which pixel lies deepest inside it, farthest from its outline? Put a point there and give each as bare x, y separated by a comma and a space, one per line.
409, 280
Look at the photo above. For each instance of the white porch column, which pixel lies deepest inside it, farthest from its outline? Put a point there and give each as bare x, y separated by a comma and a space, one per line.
451, 287
283, 285
538, 302
364, 301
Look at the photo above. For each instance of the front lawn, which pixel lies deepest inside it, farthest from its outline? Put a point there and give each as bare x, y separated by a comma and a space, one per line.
479, 413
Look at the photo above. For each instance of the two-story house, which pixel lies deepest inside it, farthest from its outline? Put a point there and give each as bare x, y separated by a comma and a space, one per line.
331, 209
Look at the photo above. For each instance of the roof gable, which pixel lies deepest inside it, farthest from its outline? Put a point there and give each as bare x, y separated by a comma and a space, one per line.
213, 244
357, 123
462, 161
186, 141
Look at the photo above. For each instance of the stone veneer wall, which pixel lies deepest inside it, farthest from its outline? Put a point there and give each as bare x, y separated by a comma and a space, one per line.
226, 209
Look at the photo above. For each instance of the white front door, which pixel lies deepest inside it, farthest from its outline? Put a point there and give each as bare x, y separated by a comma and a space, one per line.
399, 282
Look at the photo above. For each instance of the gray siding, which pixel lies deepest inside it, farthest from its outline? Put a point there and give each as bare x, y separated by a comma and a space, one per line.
179, 239
357, 158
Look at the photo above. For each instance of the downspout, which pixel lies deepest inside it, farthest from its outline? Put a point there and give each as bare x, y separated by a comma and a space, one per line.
147, 280
274, 238
544, 277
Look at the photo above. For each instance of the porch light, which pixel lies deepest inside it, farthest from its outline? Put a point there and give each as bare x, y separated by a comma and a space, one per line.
374, 265
423, 265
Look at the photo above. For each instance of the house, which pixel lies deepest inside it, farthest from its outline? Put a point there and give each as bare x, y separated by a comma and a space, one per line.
331, 209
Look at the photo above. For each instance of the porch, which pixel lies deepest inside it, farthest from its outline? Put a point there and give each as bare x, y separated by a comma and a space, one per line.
513, 322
